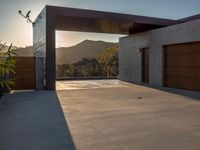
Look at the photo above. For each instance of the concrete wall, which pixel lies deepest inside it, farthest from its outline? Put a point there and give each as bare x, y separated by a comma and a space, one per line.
39, 72
130, 59
44, 47
39, 35
39, 48
50, 64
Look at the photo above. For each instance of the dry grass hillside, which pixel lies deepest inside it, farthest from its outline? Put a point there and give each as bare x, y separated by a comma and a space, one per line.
85, 49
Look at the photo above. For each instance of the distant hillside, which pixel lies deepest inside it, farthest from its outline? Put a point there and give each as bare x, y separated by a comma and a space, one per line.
85, 49
27, 51
7, 46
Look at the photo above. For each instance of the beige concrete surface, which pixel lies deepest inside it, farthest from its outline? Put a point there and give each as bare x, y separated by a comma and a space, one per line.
129, 117
132, 117
89, 84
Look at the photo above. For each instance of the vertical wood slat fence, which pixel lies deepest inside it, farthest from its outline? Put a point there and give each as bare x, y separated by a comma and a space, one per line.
25, 73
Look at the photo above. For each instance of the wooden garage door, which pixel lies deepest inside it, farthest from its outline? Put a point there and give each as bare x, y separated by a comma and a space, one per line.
25, 73
182, 66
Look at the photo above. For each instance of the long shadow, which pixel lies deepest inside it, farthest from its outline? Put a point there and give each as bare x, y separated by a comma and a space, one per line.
194, 95
33, 121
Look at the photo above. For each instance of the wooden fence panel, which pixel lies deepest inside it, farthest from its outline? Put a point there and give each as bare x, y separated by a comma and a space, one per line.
25, 73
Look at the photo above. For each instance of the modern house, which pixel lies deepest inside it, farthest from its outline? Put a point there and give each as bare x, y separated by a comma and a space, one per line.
168, 56
160, 52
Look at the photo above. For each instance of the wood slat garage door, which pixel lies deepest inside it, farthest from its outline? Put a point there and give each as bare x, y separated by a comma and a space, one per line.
25, 73
182, 66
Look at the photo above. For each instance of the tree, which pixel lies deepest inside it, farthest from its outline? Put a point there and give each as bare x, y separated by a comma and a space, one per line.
108, 61
7, 66
105, 64
88, 67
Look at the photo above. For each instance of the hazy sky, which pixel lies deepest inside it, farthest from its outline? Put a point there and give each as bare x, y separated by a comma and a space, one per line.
13, 28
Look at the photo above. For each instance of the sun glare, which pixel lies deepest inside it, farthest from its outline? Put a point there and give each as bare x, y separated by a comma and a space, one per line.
68, 38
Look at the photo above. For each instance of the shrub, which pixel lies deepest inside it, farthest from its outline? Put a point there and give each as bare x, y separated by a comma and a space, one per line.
7, 66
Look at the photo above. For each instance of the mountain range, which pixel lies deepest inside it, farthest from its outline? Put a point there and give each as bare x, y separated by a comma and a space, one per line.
85, 49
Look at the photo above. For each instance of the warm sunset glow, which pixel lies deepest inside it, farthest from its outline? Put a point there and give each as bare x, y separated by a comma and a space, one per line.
67, 39
15, 29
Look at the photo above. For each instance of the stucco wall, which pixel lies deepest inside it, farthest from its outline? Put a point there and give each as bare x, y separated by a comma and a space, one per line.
130, 59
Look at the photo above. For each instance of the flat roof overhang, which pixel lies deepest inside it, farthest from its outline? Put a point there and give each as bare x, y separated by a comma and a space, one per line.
82, 20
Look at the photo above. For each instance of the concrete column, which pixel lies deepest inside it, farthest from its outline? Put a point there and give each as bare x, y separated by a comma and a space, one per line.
50, 62
39, 73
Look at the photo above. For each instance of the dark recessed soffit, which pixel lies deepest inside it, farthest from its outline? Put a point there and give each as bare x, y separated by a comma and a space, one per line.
72, 19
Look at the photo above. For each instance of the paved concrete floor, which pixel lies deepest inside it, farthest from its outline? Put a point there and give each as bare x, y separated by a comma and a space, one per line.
89, 84
120, 118
33, 121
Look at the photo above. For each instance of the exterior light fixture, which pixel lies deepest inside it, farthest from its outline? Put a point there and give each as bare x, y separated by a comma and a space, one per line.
139, 50
27, 16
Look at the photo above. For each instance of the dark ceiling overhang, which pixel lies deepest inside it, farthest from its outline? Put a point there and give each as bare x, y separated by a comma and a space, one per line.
72, 19
190, 18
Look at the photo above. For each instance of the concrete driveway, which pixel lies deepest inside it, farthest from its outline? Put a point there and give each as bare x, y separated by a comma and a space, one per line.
89, 84
129, 117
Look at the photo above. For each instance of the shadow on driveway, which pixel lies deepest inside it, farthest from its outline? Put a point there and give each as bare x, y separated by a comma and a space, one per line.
192, 95
33, 121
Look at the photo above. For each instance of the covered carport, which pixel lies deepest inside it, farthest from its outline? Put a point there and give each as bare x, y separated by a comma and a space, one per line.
54, 18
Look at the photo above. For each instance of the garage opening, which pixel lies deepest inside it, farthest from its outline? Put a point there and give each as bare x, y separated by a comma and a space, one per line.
54, 18
86, 56
182, 66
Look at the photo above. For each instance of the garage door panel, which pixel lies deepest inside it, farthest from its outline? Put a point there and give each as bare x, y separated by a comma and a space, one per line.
183, 49
182, 75
182, 60
188, 71
175, 52
182, 66
182, 83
